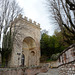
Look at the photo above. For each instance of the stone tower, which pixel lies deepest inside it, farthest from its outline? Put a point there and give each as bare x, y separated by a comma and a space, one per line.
26, 47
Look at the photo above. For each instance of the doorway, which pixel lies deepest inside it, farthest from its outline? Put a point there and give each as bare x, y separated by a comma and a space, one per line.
23, 60
29, 49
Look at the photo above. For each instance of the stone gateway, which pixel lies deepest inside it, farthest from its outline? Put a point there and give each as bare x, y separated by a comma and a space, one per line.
26, 44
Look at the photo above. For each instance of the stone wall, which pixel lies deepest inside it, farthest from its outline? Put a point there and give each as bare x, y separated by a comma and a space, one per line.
67, 69
66, 61
49, 64
22, 71
26, 42
68, 55
12, 71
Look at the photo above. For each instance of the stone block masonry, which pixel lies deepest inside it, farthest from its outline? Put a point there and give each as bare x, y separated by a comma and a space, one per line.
67, 69
66, 61
26, 44
22, 71
12, 71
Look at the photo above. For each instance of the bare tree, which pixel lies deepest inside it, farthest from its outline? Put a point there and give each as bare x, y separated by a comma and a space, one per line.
71, 4
9, 10
64, 17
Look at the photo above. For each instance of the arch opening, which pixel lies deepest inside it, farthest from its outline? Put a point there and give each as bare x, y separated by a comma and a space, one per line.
29, 48
32, 53
30, 42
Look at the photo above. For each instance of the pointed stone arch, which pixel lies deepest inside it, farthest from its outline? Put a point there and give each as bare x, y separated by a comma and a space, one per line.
30, 42
29, 51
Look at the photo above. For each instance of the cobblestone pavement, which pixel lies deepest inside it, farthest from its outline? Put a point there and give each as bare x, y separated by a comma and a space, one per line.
50, 72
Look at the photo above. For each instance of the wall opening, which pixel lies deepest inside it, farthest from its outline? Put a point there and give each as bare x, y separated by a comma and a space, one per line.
29, 51
22, 59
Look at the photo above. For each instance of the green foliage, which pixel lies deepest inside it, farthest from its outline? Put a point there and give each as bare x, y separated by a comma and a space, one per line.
55, 56
63, 39
43, 58
44, 44
6, 47
51, 45
58, 9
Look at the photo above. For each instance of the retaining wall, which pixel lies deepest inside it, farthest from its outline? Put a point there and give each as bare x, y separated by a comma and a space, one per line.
66, 61
67, 69
22, 71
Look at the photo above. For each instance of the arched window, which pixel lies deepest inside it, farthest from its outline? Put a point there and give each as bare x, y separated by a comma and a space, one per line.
33, 53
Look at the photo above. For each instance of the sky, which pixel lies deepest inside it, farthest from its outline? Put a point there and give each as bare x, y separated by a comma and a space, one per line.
37, 11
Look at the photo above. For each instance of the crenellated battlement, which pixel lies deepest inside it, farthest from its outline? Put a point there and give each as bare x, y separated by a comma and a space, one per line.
28, 20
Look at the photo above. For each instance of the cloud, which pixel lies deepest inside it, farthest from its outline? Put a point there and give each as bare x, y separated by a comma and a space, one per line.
36, 10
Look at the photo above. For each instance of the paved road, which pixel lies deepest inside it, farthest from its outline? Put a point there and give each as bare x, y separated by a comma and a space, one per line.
50, 72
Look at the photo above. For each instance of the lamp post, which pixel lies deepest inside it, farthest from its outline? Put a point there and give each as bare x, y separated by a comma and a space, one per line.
18, 57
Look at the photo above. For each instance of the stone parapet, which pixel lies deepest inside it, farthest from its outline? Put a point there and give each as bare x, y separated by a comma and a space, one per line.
66, 61
34, 23
68, 55
22, 71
